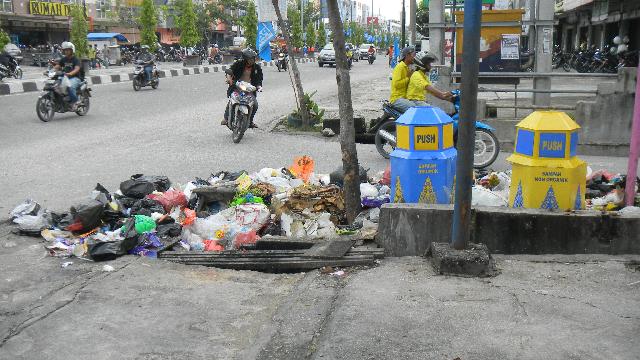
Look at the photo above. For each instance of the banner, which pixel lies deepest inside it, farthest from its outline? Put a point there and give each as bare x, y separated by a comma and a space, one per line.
396, 52
265, 35
266, 11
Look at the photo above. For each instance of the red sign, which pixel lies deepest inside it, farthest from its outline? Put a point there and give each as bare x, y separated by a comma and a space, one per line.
372, 20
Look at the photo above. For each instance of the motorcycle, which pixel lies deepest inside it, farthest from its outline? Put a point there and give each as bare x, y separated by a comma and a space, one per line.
560, 60
241, 103
53, 98
140, 77
486, 147
217, 59
11, 69
371, 57
281, 63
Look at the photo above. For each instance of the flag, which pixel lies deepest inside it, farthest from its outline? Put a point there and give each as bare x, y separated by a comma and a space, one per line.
396, 52
265, 35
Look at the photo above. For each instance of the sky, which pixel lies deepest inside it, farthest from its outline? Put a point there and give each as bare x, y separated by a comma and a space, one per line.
390, 9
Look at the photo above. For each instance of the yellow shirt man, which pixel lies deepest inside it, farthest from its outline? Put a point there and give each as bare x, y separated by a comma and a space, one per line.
418, 83
399, 82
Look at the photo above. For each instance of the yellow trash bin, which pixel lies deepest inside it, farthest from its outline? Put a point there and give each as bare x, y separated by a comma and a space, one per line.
547, 174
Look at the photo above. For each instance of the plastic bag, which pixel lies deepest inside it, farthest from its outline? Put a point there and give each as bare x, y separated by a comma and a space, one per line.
368, 191
212, 245
168, 230
31, 224
86, 215
245, 237
142, 224
485, 197
102, 251
65, 83
137, 189
302, 167
170, 199
147, 207
28, 207
281, 184
161, 183
254, 216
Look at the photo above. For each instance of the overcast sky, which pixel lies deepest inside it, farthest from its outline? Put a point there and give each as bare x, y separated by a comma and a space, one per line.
390, 9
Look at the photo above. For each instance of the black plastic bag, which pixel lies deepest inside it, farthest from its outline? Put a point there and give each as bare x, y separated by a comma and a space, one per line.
88, 213
161, 183
103, 251
125, 201
60, 220
147, 207
168, 230
137, 188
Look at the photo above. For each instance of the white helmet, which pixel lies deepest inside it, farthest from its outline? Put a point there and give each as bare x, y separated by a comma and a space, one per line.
67, 45
617, 40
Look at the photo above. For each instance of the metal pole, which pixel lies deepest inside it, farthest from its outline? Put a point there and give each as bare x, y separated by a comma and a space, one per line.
403, 25
453, 36
461, 231
634, 147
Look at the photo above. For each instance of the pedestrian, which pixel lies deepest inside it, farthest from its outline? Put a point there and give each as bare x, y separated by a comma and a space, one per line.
390, 54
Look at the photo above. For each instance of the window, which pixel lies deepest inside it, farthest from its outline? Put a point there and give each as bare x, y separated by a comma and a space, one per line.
6, 6
103, 8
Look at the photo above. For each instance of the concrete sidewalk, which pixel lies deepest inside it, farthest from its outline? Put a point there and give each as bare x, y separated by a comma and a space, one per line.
33, 82
539, 307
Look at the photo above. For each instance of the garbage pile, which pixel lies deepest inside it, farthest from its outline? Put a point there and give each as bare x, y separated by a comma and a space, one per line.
490, 188
605, 191
227, 211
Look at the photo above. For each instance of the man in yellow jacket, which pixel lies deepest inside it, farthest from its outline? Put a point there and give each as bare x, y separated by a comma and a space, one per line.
400, 80
419, 83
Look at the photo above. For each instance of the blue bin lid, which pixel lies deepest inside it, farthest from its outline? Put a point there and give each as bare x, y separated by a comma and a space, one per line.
424, 115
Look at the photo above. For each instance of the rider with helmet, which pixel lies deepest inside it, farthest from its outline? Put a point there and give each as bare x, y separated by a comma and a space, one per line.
148, 59
72, 69
245, 69
419, 82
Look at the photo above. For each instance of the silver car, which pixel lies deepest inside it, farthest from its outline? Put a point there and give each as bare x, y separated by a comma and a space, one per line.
327, 55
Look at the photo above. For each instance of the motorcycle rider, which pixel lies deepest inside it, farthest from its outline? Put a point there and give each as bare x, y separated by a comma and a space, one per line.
214, 52
419, 82
148, 60
400, 80
70, 65
245, 69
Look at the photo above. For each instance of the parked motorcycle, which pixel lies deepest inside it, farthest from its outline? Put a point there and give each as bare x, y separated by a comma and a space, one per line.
10, 69
281, 63
241, 103
53, 98
140, 77
560, 60
486, 147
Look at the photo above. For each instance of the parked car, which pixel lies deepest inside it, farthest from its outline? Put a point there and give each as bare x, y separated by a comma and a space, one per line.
363, 51
14, 51
327, 55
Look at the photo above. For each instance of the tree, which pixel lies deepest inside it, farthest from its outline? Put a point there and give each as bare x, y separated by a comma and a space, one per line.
148, 21
322, 35
189, 35
347, 126
298, 90
422, 20
311, 35
79, 29
295, 27
250, 24
4, 39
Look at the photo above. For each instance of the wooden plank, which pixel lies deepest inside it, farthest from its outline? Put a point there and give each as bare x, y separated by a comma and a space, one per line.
378, 253
330, 250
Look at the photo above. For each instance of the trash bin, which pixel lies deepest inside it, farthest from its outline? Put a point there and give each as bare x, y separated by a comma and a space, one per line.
547, 174
423, 165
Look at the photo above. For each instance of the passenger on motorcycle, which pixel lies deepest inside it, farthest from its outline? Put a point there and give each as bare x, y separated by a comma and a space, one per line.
400, 80
244, 70
148, 59
214, 51
372, 50
419, 82
70, 65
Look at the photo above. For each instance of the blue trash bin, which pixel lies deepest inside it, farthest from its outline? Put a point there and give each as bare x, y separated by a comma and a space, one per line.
423, 165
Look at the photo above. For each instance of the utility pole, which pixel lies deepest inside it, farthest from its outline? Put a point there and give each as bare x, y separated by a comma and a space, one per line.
453, 36
544, 49
436, 29
403, 37
461, 230
412, 20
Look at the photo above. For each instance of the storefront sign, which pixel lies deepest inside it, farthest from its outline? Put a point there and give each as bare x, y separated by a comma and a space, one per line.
49, 8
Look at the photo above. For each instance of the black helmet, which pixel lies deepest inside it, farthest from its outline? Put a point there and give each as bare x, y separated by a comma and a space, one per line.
248, 53
424, 58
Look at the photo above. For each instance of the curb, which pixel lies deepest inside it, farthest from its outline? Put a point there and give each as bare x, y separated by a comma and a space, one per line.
37, 85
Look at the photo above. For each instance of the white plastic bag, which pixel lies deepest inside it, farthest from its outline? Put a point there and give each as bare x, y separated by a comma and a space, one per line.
368, 191
28, 207
255, 216
485, 197
65, 83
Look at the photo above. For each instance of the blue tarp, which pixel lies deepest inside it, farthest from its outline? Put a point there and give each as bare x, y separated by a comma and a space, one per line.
106, 36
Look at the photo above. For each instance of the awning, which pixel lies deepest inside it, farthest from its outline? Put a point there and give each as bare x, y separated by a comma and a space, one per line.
106, 36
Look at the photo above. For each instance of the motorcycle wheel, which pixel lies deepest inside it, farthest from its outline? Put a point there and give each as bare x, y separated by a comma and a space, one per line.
382, 145
18, 74
241, 125
486, 149
136, 84
156, 83
83, 108
45, 109
566, 67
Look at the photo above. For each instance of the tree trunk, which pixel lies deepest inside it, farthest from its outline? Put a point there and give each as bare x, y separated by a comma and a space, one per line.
302, 107
347, 128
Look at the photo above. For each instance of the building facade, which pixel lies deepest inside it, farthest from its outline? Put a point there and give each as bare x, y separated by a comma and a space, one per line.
596, 22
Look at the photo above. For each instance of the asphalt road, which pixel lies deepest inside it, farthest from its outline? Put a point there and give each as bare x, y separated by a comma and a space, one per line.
174, 131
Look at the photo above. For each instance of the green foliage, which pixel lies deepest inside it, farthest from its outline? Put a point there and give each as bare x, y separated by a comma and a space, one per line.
311, 35
316, 114
148, 22
4, 39
187, 23
295, 28
322, 36
422, 20
79, 29
250, 25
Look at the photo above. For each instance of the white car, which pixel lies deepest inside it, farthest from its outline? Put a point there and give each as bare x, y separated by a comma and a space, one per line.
327, 55
363, 51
